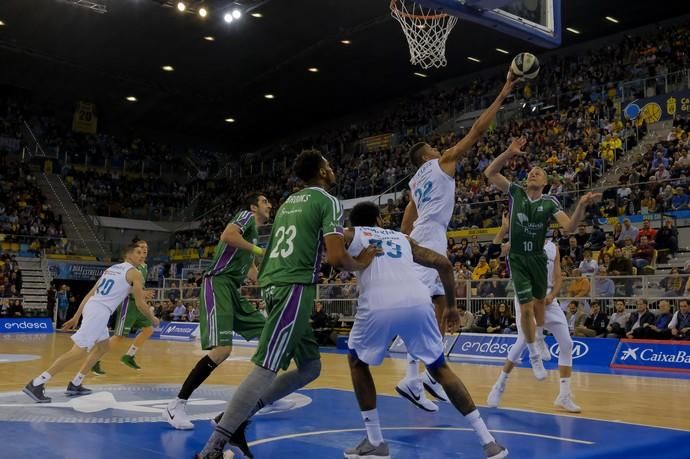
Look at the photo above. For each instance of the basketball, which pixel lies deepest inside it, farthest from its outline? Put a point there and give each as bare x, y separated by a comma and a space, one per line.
525, 65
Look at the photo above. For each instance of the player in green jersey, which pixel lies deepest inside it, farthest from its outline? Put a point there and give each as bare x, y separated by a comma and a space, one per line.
223, 309
530, 214
308, 221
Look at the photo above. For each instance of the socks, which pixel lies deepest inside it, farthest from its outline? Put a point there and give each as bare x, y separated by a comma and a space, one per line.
565, 387
412, 371
540, 333
132, 350
78, 379
479, 427
42, 378
196, 377
533, 351
371, 422
503, 378
240, 407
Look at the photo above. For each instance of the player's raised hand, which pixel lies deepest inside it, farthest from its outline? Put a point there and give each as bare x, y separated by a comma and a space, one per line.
516, 146
590, 198
511, 81
70, 324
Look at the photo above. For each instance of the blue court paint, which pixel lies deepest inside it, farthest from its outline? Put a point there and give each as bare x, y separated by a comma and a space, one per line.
331, 423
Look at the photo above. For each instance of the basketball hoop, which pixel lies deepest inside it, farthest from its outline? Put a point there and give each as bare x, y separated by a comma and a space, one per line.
426, 30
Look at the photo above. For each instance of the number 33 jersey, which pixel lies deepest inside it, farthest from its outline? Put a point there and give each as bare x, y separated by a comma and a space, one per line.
112, 288
433, 192
390, 281
296, 246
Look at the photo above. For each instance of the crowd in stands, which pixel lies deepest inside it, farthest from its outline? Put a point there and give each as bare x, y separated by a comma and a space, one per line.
11, 303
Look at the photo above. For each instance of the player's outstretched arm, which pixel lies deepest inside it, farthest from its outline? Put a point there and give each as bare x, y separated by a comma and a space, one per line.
409, 218
337, 255
72, 323
232, 236
430, 259
135, 278
569, 224
557, 279
493, 171
478, 129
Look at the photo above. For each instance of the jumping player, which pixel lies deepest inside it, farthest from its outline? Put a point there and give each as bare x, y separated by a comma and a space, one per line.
530, 214
393, 301
223, 309
554, 321
426, 220
308, 220
116, 283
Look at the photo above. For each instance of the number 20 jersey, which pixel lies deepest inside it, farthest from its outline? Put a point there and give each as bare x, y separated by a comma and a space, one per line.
293, 255
433, 192
112, 287
390, 281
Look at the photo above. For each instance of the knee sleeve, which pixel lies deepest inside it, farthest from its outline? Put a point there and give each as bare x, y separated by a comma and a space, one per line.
565, 350
516, 350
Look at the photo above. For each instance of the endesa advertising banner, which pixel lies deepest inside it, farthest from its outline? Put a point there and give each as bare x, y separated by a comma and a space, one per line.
43, 325
482, 346
640, 354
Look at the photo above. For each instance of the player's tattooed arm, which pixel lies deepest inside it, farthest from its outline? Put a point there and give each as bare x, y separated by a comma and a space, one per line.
430, 259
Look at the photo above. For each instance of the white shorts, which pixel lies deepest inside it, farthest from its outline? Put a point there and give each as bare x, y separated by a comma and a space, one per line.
94, 327
553, 315
373, 332
434, 238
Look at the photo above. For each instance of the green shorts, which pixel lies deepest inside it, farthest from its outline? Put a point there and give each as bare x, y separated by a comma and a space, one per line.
129, 317
222, 311
288, 334
529, 276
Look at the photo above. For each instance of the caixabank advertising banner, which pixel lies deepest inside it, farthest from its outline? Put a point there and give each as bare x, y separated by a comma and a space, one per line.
642, 354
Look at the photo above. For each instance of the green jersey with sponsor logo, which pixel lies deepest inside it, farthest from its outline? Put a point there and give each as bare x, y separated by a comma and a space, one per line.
144, 270
529, 220
294, 251
230, 262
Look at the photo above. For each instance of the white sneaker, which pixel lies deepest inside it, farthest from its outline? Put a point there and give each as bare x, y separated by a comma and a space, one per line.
566, 402
494, 398
176, 415
412, 390
543, 349
284, 404
433, 387
538, 367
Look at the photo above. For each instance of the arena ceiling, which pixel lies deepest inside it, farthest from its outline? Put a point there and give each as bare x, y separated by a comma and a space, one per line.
53, 47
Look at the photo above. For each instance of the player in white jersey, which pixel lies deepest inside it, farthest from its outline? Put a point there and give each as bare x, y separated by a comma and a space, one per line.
112, 288
554, 321
393, 301
426, 220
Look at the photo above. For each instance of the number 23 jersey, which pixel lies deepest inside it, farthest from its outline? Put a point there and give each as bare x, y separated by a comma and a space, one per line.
390, 281
294, 251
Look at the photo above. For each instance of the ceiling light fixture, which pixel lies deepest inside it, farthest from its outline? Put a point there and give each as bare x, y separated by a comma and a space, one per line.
420, 74
2, 23
345, 42
269, 96
181, 7
473, 59
203, 12
313, 69
168, 68
236, 13
209, 38
227, 17
229, 120
502, 51
131, 99
571, 30
612, 19
257, 15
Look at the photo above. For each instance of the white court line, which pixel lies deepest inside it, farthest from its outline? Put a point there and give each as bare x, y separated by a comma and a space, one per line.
454, 429
562, 415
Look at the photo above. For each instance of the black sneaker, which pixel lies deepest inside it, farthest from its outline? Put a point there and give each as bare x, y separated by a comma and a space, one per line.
75, 391
37, 393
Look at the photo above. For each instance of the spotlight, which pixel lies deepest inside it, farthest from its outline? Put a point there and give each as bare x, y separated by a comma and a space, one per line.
181, 7
202, 12
131, 99
236, 14
227, 17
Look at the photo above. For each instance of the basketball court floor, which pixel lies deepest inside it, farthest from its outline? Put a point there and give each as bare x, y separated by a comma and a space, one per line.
625, 415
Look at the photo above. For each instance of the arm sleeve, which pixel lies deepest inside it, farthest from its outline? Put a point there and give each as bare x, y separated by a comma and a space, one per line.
331, 216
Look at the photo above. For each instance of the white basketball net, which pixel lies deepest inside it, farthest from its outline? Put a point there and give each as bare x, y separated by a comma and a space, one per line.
426, 30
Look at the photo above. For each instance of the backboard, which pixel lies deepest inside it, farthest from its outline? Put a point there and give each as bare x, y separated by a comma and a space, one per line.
536, 21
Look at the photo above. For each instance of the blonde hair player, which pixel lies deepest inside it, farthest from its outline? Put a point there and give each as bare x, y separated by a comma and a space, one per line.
530, 215
554, 321
98, 305
426, 220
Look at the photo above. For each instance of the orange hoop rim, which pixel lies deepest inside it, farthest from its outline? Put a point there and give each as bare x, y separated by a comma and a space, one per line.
423, 17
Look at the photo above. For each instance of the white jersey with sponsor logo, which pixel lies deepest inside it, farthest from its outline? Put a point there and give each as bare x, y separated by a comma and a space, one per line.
433, 192
390, 281
112, 288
